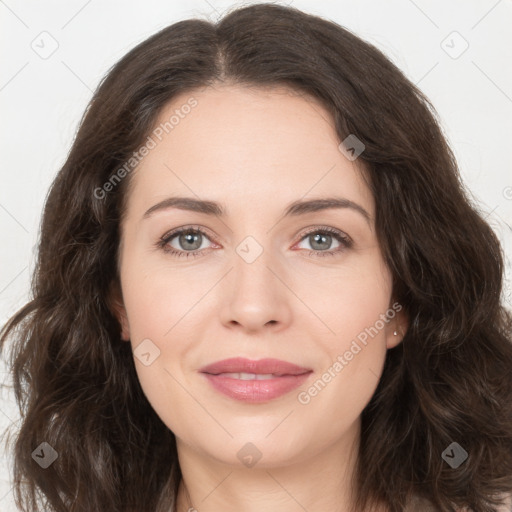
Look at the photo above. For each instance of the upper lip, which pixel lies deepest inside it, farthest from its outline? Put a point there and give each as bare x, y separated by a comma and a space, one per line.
261, 366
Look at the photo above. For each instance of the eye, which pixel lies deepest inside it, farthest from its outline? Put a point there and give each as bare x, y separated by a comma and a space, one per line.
320, 238
189, 242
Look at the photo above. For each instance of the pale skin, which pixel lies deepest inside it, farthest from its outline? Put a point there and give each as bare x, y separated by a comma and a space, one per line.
256, 151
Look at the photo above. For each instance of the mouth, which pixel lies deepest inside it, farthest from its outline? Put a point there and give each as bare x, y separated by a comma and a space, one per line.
251, 376
255, 381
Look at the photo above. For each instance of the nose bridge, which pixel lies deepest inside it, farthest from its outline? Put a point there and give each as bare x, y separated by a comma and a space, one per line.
256, 295
253, 260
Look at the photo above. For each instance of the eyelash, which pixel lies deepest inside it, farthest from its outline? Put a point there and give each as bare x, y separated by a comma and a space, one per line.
345, 241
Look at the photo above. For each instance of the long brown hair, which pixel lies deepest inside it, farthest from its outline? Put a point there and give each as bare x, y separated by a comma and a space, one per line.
450, 380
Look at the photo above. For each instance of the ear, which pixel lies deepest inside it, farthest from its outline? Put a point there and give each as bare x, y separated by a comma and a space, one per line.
116, 305
397, 325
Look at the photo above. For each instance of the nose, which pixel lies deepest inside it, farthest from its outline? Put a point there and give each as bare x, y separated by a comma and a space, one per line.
255, 294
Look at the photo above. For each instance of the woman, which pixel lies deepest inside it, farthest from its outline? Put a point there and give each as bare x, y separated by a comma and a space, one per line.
368, 370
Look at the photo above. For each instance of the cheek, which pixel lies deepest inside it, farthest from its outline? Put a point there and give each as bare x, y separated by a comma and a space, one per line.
353, 308
156, 297
159, 303
352, 298
154, 314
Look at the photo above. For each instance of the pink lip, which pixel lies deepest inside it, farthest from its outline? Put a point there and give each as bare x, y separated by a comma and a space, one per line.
288, 377
240, 364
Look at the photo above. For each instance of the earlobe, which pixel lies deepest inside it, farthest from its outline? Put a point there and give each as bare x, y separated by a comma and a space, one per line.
118, 309
396, 330
394, 338
123, 321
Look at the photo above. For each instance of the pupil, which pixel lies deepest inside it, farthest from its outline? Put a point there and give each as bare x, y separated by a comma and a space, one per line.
189, 238
320, 237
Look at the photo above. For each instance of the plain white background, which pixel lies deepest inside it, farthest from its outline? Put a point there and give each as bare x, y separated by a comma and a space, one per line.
55, 54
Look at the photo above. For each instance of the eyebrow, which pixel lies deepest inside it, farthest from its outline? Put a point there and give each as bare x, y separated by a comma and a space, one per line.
299, 207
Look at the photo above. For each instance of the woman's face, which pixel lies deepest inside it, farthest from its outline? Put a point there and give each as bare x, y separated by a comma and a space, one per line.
262, 283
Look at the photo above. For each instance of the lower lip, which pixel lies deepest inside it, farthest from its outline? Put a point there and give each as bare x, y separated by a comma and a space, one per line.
256, 391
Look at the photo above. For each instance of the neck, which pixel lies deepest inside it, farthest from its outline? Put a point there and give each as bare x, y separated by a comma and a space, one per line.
321, 482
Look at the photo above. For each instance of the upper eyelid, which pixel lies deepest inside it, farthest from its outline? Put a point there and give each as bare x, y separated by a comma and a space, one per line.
173, 232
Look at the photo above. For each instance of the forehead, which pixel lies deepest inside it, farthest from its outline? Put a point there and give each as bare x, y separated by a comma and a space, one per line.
246, 146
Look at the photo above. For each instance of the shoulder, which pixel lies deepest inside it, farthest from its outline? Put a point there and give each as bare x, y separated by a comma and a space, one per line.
417, 503
508, 506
